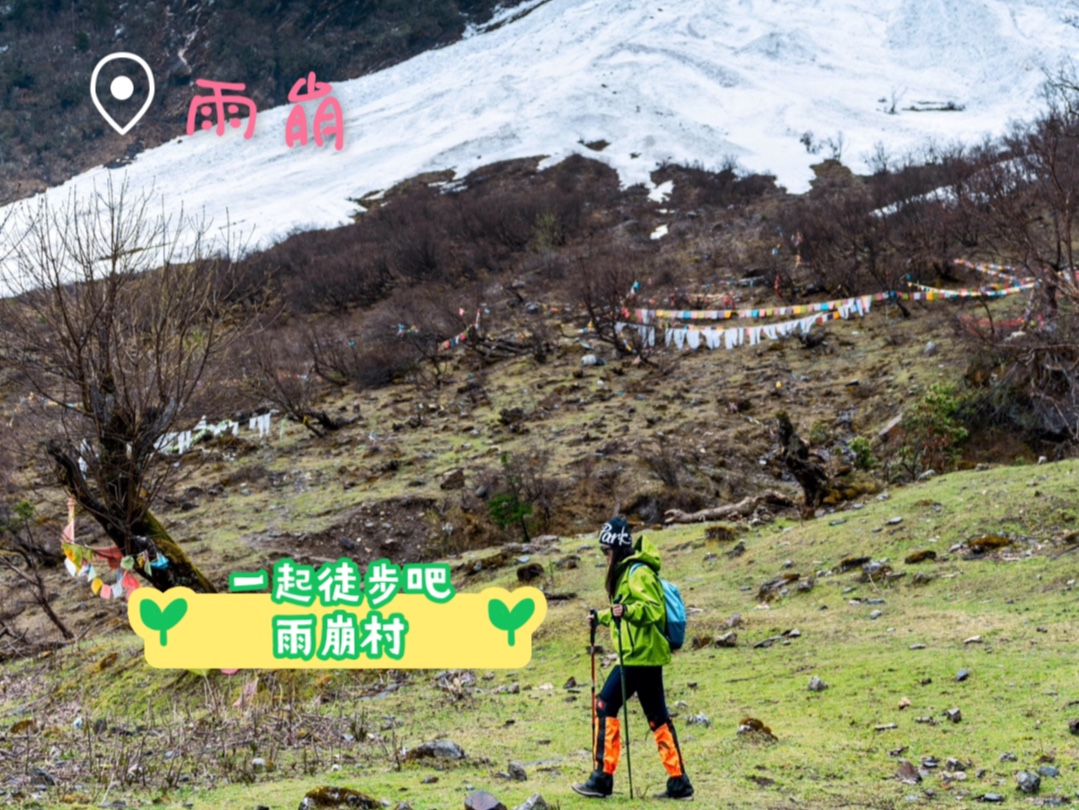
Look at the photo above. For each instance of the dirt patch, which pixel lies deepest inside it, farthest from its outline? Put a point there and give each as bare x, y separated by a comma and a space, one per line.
398, 529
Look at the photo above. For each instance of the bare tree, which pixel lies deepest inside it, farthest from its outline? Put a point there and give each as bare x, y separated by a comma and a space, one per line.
1027, 192
117, 318
605, 283
23, 554
281, 370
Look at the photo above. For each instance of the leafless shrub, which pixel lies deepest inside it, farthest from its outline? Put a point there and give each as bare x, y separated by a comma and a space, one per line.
662, 461
280, 371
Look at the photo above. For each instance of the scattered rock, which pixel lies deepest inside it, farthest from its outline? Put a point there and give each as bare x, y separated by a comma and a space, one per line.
700, 642
895, 521
904, 703
534, 802
962, 675
930, 762
1073, 726
885, 727
482, 800
767, 642
517, 772
874, 571
1008, 756
931, 349
592, 360
774, 588
439, 749
258, 764
1028, 782
530, 572
730, 639
1049, 771
699, 719
992, 798
954, 715
817, 685
454, 479
511, 416
338, 797
753, 728
973, 640
908, 774
876, 614
44, 778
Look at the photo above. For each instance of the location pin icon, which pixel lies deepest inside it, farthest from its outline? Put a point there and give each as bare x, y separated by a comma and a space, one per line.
121, 88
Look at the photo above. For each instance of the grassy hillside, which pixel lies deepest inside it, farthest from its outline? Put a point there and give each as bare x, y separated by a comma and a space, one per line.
1004, 615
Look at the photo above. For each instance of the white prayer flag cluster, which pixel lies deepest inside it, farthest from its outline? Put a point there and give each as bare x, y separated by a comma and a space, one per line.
182, 441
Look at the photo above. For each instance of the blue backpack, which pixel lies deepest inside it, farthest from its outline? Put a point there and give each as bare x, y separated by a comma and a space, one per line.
675, 630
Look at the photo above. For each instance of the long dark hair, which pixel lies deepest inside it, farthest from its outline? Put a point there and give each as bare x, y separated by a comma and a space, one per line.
620, 553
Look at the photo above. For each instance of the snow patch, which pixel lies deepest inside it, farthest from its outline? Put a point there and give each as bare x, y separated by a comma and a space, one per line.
693, 83
661, 192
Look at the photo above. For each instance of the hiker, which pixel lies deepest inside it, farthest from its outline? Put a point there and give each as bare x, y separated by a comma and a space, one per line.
637, 619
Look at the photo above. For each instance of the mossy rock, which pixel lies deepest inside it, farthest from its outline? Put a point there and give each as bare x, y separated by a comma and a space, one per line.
753, 729
850, 563
920, 556
987, 543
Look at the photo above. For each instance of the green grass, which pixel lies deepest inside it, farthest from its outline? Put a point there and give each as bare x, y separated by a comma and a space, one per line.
828, 753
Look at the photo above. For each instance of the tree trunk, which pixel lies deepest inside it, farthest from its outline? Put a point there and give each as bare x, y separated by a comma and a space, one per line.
810, 476
181, 572
744, 508
144, 534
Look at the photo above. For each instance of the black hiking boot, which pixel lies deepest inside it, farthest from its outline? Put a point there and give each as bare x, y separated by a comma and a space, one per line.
598, 786
678, 787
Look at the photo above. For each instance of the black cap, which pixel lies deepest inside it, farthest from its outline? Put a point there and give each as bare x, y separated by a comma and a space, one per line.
615, 532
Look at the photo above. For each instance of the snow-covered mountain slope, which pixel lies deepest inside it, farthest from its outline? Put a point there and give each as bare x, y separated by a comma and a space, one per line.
682, 80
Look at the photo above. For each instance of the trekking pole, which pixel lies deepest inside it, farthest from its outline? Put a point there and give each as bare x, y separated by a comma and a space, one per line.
625, 702
592, 622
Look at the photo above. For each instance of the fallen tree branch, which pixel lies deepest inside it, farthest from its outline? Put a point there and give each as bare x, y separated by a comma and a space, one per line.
744, 508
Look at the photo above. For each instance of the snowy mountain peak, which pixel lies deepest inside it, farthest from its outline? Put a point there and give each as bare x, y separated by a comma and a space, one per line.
776, 84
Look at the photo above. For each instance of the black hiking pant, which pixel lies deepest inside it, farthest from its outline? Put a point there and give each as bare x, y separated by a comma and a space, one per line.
646, 683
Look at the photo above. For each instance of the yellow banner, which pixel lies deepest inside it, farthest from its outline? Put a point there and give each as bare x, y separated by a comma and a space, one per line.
184, 630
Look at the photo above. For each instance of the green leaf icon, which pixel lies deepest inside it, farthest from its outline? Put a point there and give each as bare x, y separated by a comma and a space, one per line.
510, 620
163, 620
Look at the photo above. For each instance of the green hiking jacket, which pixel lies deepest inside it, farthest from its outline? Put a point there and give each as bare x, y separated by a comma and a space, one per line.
643, 642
